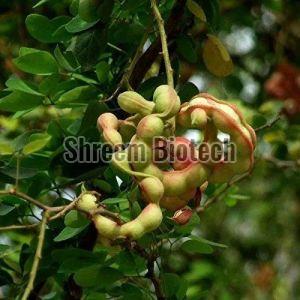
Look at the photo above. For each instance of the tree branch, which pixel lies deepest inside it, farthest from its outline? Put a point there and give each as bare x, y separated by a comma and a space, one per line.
37, 257
172, 29
13, 227
216, 197
164, 43
269, 124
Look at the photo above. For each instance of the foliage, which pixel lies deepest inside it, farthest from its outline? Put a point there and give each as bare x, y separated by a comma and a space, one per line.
68, 65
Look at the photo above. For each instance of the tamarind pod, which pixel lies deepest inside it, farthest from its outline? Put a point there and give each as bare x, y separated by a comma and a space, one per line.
112, 137
134, 103
198, 118
139, 154
152, 189
150, 217
153, 170
178, 182
149, 127
120, 161
106, 227
226, 120
184, 153
174, 203
182, 216
236, 110
167, 103
133, 230
87, 202
107, 121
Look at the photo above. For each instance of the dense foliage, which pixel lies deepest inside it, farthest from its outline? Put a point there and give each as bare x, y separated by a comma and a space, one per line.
62, 65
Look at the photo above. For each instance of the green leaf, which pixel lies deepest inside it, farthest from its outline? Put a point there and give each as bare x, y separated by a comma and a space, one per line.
97, 276
88, 46
77, 25
196, 10
216, 57
68, 233
73, 264
47, 31
38, 62
5, 209
17, 101
6, 148
3, 248
96, 296
102, 71
170, 284
115, 200
64, 61
205, 241
75, 219
79, 96
48, 85
187, 91
36, 142
195, 246
17, 84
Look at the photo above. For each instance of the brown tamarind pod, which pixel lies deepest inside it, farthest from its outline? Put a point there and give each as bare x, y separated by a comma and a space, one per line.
150, 127
167, 103
87, 203
182, 216
152, 189
107, 121
134, 103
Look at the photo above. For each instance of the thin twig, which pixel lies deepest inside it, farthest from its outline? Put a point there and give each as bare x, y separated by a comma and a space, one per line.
126, 76
37, 257
64, 210
216, 197
282, 164
269, 124
14, 227
17, 171
29, 199
164, 43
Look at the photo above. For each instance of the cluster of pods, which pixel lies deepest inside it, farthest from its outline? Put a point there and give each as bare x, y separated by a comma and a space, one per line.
170, 187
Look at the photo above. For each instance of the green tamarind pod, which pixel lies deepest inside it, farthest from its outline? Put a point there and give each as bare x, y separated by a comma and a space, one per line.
87, 202
106, 227
152, 189
113, 137
107, 121
133, 229
198, 118
150, 127
87, 10
167, 103
139, 154
151, 217
134, 103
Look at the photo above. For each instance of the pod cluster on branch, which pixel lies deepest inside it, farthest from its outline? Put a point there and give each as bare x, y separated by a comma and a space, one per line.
170, 187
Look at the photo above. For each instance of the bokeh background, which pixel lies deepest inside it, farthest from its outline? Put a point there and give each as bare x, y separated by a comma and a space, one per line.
258, 220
